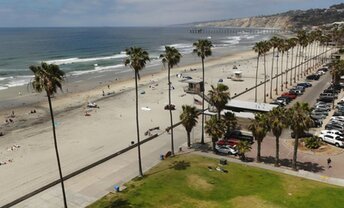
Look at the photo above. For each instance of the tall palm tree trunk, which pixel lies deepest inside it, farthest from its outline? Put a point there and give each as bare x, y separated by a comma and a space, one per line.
302, 61
272, 70
57, 151
277, 73
202, 136
291, 67
282, 72
255, 90
286, 71
298, 63
137, 124
264, 78
169, 104
296, 146
189, 138
259, 143
277, 152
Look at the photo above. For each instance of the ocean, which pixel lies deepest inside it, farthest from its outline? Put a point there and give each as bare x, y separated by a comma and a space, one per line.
80, 51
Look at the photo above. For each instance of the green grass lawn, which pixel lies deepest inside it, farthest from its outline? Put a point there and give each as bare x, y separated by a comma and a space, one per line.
186, 182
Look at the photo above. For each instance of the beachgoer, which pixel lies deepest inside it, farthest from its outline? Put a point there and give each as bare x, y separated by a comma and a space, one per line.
12, 115
103, 93
109, 86
329, 163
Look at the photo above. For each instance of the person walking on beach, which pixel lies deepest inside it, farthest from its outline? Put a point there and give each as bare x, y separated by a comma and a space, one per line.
329, 163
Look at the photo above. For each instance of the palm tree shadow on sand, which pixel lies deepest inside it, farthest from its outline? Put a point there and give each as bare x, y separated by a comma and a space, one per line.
307, 166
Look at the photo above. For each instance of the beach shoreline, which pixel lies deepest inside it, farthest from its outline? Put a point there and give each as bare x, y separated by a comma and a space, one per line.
77, 94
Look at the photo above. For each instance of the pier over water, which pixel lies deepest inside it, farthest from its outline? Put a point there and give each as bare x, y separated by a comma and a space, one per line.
235, 30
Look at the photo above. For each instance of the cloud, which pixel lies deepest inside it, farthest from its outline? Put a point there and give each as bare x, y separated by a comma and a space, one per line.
139, 12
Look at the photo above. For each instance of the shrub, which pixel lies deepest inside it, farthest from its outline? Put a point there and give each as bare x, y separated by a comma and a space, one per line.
312, 142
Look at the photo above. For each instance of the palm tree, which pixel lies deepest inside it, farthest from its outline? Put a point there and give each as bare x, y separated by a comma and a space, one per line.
287, 47
171, 58
137, 59
302, 37
259, 128
219, 97
215, 128
267, 47
230, 121
292, 42
203, 49
282, 49
189, 120
243, 147
337, 70
277, 122
48, 78
299, 121
259, 49
274, 41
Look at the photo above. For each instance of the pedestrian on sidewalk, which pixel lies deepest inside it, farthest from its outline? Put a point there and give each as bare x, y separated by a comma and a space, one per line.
329, 163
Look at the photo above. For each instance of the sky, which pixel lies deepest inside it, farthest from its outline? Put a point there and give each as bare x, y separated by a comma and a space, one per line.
69, 13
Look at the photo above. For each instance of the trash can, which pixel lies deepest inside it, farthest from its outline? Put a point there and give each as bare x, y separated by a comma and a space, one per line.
117, 188
223, 161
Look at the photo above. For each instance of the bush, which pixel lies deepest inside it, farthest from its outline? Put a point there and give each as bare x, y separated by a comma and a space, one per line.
312, 142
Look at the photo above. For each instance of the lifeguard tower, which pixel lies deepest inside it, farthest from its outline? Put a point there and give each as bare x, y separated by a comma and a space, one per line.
194, 86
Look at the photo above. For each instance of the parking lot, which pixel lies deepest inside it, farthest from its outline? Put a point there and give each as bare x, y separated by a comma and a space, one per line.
314, 161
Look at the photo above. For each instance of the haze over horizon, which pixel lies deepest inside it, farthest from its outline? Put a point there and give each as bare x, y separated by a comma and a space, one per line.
70, 13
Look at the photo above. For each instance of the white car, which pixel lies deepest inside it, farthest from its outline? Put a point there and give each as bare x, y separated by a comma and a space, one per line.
338, 141
332, 132
225, 149
337, 118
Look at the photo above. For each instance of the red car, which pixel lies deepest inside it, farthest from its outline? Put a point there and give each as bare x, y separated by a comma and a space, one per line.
290, 95
230, 142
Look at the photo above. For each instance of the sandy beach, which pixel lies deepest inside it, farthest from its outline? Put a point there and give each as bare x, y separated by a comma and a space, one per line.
27, 145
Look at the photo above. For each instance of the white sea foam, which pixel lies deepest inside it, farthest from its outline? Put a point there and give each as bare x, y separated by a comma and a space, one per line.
3, 88
97, 69
233, 40
80, 60
184, 48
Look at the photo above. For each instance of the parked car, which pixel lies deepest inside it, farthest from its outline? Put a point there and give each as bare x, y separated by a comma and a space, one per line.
279, 103
284, 98
304, 84
332, 139
290, 95
240, 135
317, 123
302, 88
332, 126
226, 150
338, 113
317, 115
324, 69
320, 73
332, 132
303, 135
228, 142
296, 91
321, 110
313, 77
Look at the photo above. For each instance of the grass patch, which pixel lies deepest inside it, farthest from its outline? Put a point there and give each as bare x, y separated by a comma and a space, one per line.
185, 181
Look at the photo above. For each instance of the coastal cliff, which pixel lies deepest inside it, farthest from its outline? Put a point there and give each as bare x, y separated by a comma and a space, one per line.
280, 22
291, 20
